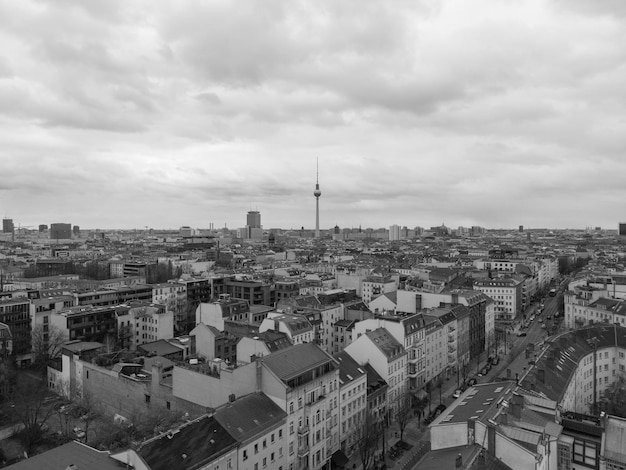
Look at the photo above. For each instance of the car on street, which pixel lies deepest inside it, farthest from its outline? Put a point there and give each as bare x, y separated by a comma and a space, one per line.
472, 381
457, 393
494, 361
79, 432
521, 333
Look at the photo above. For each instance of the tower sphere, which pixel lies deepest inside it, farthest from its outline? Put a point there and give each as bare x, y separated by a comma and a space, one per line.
317, 192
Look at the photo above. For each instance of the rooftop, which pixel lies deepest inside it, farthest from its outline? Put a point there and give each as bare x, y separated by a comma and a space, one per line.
62, 457
292, 362
190, 446
479, 402
249, 416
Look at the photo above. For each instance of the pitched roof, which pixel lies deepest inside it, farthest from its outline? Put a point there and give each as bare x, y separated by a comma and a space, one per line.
190, 446
386, 343
81, 455
553, 371
159, 348
249, 416
291, 362
349, 369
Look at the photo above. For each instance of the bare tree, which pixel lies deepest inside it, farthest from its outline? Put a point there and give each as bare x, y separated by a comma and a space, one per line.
368, 442
403, 412
47, 342
88, 409
29, 410
440, 386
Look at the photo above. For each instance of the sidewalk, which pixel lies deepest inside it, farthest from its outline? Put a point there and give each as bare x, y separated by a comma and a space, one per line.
415, 435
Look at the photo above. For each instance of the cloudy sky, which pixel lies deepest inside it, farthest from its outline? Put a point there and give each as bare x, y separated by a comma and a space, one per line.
496, 113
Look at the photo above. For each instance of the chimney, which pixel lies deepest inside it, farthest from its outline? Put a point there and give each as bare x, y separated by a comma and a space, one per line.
259, 374
157, 372
459, 461
516, 404
541, 375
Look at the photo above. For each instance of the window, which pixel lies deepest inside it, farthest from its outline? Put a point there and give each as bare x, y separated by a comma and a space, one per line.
87, 374
256, 448
280, 434
265, 443
264, 462
245, 455
147, 398
168, 405
272, 438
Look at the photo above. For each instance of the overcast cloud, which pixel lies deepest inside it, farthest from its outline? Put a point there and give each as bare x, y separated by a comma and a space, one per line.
496, 113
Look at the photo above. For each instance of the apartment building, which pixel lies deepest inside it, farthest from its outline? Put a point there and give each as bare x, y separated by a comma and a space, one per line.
15, 314
435, 349
298, 328
304, 381
86, 322
373, 286
506, 294
352, 401
409, 331
388, 357
259, 426
140, 322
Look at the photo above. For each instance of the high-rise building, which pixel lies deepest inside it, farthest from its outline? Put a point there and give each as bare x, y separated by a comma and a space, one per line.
394, 233
622, 229
76, 230
43, 227
317, 193
7, 226
60, 231
253, 219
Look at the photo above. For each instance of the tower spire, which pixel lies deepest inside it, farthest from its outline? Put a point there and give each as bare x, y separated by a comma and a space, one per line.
317, 193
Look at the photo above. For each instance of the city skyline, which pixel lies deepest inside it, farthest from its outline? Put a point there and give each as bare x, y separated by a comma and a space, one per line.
494, 114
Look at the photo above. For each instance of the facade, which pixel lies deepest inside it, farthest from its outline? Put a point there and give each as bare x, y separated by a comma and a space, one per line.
60, 231
259, 427
297, 327
409, 331
388, 357
255, 292
304, 381
581, 311
6, 341
374, 286
140, 322
435, 349
352, 401
225, 309
7, 226
507, 295
86, 322
15, 314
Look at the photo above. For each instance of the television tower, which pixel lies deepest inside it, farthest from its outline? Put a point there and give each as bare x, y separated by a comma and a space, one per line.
317, 193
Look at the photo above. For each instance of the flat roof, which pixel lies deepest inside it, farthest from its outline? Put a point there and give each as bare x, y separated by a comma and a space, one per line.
478, 402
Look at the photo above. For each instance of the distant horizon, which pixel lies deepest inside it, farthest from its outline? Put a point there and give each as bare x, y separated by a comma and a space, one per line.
312, 229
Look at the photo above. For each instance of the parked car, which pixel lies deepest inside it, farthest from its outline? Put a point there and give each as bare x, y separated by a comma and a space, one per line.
543, 326
494, 361
79, 432
521, 333
472, 381
457, 393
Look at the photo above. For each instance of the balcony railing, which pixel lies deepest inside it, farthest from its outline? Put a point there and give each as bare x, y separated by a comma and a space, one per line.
303, 430
303, 451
